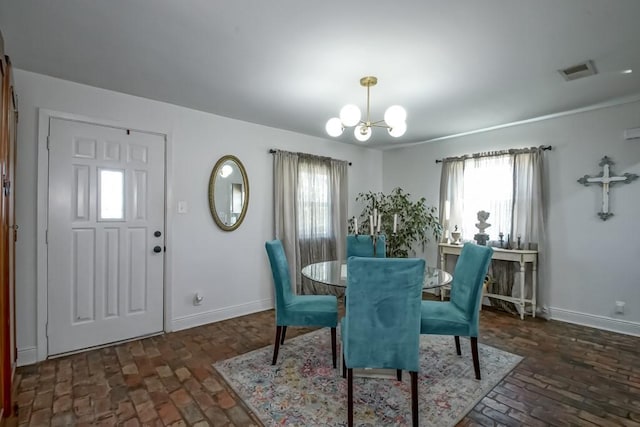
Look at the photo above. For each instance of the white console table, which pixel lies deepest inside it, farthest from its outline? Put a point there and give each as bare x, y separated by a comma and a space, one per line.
520, 256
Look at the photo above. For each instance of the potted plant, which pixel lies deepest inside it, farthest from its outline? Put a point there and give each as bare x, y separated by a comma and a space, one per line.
415, 220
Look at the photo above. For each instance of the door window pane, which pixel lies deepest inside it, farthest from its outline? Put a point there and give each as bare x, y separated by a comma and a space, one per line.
111, 194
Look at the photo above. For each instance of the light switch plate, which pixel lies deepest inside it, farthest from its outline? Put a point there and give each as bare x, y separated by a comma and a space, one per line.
182, 207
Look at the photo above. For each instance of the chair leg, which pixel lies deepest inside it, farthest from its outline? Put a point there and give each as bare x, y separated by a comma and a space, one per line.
333, 347
276, 346
350, 397
476, 360
399, 374
414, 398
457, 338
344, 367
284, 332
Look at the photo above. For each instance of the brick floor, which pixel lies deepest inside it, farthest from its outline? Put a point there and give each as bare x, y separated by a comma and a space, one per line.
571, 375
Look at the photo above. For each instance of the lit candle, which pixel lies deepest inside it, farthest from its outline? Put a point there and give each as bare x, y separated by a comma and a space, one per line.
371, 224
379, 221
395, 223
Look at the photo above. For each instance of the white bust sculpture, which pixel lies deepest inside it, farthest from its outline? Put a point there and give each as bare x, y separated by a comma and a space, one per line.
482, 221
481, 237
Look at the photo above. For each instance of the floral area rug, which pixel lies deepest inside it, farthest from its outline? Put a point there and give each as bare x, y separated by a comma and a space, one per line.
303, 389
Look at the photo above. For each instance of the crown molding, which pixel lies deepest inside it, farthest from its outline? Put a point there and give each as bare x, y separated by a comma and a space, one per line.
607, 104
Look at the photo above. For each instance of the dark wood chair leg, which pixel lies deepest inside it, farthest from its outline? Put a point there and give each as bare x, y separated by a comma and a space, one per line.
399, 374
476, 360
457, 338
344, 367
276, 346
414, 398
333, 347
284, 332
350, 397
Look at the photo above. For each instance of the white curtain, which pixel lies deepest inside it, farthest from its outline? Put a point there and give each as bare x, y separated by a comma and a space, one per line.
310, 212
451, 192
528, 210
285, 187
487, 187
338, 183
528, 203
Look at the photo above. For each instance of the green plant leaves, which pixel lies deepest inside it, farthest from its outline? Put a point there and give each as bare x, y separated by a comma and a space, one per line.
416, 220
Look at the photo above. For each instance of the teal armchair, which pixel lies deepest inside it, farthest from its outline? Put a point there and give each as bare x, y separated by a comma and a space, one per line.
361, 245
460, 315
298, 310
381, 326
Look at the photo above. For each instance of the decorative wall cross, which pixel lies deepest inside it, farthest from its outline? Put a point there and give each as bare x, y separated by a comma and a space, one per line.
606, 179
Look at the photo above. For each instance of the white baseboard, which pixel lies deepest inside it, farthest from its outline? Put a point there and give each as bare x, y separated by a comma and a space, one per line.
599, 322
198, 319
27, 356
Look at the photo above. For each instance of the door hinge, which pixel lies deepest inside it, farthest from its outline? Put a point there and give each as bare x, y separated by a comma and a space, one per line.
46, 330
48, 139
46, 237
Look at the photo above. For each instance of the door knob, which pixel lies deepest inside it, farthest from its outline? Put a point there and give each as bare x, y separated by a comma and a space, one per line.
157, 233
157, 249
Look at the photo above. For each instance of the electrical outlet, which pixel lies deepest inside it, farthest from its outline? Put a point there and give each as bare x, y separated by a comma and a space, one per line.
197, 299
620, 307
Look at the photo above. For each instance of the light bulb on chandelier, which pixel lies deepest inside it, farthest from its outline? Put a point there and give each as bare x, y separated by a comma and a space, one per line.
362, 133
395, 118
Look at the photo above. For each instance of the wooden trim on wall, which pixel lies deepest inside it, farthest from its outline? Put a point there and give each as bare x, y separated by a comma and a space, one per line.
8, 353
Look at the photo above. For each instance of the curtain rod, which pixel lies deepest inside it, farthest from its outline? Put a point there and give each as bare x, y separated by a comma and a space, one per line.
273, 151
497, 153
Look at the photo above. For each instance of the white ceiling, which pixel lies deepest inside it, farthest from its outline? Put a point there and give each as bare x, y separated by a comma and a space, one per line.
456, 66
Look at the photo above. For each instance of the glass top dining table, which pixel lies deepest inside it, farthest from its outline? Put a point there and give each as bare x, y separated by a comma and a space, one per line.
334, 273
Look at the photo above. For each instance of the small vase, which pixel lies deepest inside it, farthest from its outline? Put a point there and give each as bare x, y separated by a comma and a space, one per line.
455, 235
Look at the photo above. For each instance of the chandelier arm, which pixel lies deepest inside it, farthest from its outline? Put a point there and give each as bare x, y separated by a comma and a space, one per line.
377, 124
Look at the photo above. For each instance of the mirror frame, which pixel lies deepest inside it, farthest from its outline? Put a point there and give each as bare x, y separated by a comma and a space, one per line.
212, 183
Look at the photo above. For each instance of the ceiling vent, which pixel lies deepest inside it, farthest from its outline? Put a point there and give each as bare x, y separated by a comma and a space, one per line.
578, 71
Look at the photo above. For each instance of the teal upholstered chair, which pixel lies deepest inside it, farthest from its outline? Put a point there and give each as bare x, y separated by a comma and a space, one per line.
298, 310
459, 316
361, 245
381, 326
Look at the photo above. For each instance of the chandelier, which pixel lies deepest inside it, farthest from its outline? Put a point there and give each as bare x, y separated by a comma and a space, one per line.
394, 118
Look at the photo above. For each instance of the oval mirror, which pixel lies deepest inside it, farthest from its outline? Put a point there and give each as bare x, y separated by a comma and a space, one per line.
228, 193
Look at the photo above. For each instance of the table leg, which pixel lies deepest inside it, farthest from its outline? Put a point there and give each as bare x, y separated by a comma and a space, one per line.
535, 287
443, 258
522, 275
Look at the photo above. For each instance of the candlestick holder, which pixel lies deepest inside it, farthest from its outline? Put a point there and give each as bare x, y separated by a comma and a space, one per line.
374, 242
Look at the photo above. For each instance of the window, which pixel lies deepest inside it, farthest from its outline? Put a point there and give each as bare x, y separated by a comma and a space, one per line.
111, 188
314, 202
310, 212
488, 186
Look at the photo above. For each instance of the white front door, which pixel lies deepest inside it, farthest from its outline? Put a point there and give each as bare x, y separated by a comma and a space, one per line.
105, 235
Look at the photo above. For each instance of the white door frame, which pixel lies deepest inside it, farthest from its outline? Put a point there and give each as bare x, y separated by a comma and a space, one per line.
44, 117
